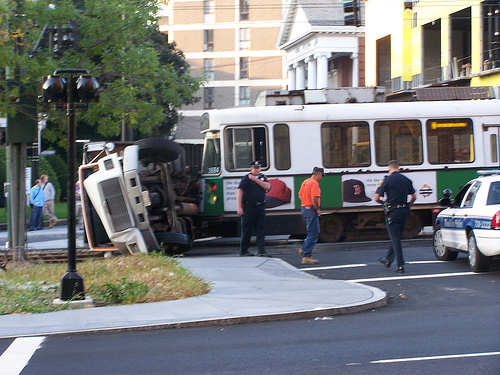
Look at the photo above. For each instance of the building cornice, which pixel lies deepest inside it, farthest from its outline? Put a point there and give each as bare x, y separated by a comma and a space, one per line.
328, 30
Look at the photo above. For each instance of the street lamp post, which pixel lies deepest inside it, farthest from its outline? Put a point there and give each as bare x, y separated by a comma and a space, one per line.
83, 89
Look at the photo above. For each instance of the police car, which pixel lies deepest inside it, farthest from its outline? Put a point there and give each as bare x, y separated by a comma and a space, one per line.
471, 223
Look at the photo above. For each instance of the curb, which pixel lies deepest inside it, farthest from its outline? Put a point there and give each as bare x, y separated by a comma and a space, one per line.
292, 315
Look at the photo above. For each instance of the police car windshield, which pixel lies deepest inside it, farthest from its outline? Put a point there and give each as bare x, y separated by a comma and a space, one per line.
494, 193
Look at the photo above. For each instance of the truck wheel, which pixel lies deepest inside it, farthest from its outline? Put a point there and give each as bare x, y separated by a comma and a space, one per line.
478, 262
331, 228
158, 149
413, 226
441, 251
173, 243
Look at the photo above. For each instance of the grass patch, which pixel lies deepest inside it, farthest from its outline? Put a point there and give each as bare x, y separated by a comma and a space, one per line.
31, 288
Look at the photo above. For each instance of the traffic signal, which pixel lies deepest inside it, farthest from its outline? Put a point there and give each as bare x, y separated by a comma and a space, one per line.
85, 89
62, 38
352, 13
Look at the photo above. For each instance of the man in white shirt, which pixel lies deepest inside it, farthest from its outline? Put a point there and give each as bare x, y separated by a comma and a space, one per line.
50, 196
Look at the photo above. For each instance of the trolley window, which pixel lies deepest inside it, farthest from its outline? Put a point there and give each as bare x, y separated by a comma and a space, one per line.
494, 148
211, 155
282, 146
345, 144
243, 145
450, 141
398, 140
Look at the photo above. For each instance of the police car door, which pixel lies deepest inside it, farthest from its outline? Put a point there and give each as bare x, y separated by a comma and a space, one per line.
466, 216
452, 221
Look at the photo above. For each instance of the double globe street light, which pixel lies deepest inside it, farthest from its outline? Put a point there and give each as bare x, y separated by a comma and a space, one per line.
71, 86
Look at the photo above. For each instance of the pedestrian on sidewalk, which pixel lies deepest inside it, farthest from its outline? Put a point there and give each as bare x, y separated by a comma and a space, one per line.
396, 188
50, 197
310, 202
250, 198
37, 199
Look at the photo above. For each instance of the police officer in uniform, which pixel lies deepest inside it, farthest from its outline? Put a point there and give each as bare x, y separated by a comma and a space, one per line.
396, 188
251, 207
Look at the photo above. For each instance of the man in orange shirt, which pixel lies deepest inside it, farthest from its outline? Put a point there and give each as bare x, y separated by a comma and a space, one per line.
310, 195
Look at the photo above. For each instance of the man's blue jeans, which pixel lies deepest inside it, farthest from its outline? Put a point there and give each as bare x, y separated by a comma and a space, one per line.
312, 228
36, 218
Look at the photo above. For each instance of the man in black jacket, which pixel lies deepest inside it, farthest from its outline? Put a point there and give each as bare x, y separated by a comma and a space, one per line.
251, 207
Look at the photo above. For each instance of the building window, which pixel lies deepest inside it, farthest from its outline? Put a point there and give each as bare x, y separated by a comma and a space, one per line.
450, 141
398, 140
208, 40
244, 95
244, 9
209, 11
244, 145
282, 147
345, 144
208, 69
244, 38
491, 35
208, 6
243, 67
208, 97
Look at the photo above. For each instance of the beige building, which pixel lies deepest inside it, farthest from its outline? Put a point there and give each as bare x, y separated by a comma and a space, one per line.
232, 44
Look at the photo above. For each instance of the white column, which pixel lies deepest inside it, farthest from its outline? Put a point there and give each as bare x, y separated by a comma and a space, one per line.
355, 70
291, 77
300, 76
311, 73
322, 72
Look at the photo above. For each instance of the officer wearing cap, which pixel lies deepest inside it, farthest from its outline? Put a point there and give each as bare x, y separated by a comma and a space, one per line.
396, 187
250, 199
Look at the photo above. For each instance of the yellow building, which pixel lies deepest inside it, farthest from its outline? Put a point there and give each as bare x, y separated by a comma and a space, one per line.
411, 44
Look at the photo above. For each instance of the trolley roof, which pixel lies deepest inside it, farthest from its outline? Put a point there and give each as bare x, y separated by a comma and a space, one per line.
353, 112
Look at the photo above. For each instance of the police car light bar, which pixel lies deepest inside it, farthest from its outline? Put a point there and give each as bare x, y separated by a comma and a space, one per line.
485, 173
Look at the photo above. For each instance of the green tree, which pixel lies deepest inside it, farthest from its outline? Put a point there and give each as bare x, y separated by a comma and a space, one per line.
142, 81
46, 168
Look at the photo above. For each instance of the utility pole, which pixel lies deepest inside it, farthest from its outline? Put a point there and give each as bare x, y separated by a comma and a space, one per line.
20, 131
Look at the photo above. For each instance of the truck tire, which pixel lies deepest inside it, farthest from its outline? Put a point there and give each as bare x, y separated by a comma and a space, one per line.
174, 243
158, 149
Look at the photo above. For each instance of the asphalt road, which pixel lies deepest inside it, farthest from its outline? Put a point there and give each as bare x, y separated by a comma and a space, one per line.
441, 318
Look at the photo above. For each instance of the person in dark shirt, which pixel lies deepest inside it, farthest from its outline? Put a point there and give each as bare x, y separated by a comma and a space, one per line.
251, 207
396, 188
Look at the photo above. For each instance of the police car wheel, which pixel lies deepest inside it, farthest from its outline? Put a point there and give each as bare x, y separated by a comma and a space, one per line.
477, 261
441, 251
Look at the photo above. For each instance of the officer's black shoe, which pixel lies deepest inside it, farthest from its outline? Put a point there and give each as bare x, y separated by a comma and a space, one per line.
401, 269
264, 254
246, 254
385, 262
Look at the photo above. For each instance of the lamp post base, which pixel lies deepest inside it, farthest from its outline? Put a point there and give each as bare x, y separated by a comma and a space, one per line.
72, 286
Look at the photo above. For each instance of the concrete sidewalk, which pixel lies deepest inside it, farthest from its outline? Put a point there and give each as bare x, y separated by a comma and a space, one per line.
243, 290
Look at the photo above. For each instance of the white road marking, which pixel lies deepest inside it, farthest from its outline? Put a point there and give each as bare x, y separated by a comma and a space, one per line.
365, 265
427, 261
332, 267
436, 357
18, 354
413, 277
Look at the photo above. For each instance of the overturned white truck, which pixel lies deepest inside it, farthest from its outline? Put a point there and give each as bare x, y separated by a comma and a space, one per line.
138, 197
